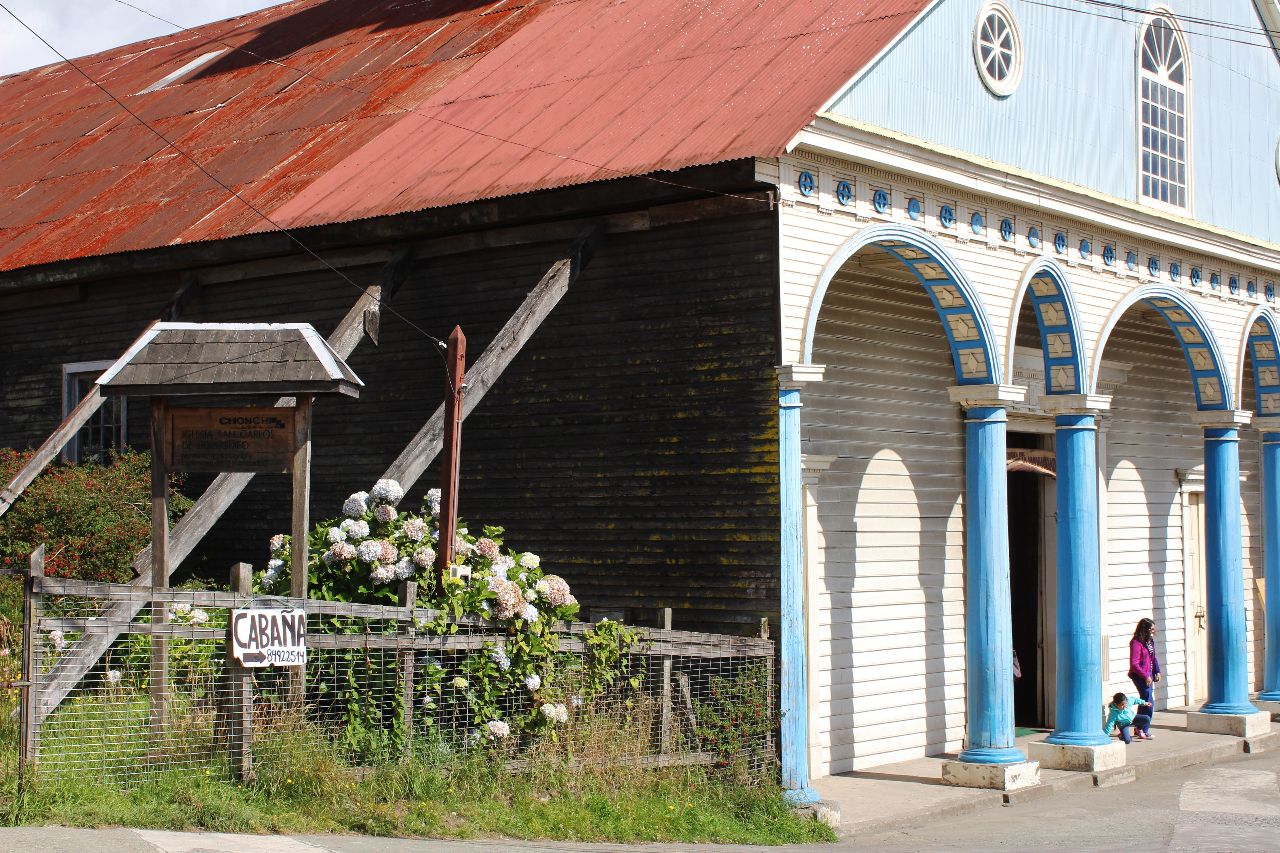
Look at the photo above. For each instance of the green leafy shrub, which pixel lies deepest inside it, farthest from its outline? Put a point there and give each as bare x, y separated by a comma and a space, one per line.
736, 718
93, 519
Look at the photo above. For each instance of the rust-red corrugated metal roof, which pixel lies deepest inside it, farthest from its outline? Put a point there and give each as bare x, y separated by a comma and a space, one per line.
504, 99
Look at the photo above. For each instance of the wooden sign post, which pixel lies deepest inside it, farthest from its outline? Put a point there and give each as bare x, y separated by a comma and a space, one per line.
456, 364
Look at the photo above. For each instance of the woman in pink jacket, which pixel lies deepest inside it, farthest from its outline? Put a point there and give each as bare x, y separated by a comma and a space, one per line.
1144, 666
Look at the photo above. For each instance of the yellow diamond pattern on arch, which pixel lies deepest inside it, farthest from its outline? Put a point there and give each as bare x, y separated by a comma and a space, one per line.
1210, 390
1201, 358
1271, 404
1190, 335
1052, 314
1268, 376
932, 272
1062, 377
973, 363
1258, 330
1177, 315
1059, 344
1044, 287
948, 296
1163, 303
1264, 351
963, 327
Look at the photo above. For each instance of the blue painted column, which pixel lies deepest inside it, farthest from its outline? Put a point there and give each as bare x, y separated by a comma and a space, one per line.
1271, 562
988, 629
1078, 699
794, 703
1228, 655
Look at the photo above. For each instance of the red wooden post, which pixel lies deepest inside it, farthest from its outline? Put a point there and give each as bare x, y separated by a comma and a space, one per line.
457, 366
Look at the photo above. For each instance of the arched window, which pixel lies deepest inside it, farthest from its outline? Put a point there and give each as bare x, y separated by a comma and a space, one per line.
1163, 73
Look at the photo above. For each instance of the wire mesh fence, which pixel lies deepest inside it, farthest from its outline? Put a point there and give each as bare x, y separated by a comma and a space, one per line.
381, 685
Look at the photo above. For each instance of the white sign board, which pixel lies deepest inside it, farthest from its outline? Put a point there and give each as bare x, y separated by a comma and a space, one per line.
262, 636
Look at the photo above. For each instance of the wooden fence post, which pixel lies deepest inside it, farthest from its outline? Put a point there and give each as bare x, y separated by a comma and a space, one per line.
664, 743
239, 701
456, 365
299, 528
159, 563
32, 605
408, 600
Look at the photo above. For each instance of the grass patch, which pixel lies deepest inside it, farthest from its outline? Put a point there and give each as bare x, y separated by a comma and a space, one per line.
472, 798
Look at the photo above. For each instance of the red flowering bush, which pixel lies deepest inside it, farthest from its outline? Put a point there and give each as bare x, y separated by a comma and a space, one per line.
92, 518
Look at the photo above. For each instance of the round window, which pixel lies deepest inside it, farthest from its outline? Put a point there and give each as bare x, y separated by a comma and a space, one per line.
997, 48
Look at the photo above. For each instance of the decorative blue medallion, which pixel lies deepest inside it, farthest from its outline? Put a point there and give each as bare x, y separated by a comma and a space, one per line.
947, 216
1085, 249
914, 209
1060, 242
807, 184
880, 201
1131, 260
1109, 255
1233, 284
1153, 265
1251, 288
1006, 229
1270, 291
976, 222
1175, 271
1215, 281
1196, 276
844, 193
1033, 237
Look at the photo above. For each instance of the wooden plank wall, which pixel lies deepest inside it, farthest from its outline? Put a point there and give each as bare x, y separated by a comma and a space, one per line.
633, 444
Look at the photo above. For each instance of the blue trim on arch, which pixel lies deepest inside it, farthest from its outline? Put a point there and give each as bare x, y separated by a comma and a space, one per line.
1199, 346
1264, 350
973, 352
1046, 285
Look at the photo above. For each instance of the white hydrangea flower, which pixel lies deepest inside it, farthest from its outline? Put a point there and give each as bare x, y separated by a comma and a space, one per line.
355, 528
506, 562
415, 529
498, 729
199, 617
356, 505
370, 551
383, 574
404, 569
424, 558
575, 700
385, 513
277, 542
114, 676
530, 595
529, 613
387, 492
555, 712
272, 566
58, 639
533, 682
433, 501
336, 534
182, 608
459, 682
530, 561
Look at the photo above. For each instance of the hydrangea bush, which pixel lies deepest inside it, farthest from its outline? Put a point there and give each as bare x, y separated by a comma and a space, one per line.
365, 554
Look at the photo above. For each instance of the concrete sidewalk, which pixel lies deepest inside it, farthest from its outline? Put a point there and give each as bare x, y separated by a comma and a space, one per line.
911, 792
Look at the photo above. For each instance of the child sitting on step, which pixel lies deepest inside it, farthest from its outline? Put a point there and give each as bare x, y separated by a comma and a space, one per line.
1124, 713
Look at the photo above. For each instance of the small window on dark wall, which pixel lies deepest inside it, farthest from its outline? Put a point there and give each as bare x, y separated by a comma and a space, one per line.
105, 430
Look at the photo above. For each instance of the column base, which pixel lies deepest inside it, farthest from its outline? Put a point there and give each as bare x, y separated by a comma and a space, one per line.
1057, 756
1271, 706
805, 796
1000, 777
1236, 725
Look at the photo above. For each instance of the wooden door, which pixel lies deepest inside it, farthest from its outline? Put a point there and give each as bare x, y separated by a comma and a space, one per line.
1197, 636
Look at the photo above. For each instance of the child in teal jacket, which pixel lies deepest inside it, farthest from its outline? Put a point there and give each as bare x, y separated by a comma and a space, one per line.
1123, 713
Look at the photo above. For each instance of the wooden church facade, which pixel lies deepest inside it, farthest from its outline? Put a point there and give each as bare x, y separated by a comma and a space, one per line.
820, 329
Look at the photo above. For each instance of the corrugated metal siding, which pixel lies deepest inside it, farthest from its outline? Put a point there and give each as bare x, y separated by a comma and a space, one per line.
890, 609
507, 99
633, 443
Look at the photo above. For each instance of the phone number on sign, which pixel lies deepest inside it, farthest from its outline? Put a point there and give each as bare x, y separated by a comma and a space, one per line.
286, 656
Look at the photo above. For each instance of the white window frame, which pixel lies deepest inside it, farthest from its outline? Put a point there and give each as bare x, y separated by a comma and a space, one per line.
75, 369
1006, 87
1162, 12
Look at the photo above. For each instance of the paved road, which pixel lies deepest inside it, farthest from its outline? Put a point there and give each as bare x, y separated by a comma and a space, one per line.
1230, 807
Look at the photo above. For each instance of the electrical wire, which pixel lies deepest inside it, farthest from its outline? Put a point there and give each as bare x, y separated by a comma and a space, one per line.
440, 346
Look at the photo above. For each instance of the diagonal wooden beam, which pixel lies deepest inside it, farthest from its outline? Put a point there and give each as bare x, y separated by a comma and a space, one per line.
198, 520
502, 350
77, 418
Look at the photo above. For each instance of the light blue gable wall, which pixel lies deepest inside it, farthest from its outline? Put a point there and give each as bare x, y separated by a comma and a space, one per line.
1074, 115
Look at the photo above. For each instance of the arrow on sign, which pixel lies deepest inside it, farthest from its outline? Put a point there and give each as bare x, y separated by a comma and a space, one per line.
253, 657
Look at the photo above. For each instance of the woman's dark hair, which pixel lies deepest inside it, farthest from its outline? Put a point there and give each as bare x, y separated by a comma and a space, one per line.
1118, 698
1143, 631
